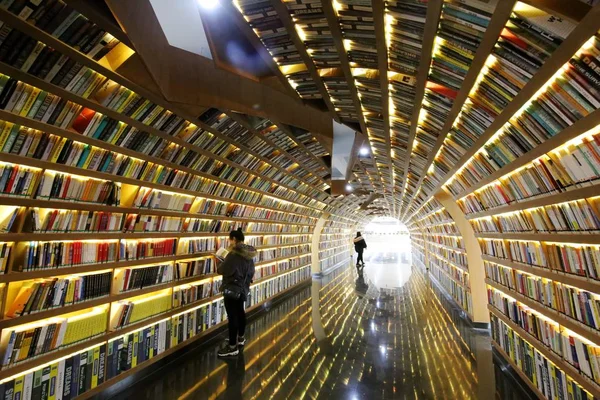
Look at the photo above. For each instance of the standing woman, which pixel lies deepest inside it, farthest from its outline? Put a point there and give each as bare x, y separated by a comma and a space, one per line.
359, 246
238, 270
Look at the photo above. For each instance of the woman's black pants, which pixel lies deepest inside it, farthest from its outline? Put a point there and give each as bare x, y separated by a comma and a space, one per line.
360, 258
236, 319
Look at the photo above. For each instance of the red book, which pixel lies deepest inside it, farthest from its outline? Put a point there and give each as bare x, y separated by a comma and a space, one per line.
65, 187
83, 120
11, 180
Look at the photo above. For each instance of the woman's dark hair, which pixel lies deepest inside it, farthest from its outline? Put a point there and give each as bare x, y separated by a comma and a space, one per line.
357, 234
237, 235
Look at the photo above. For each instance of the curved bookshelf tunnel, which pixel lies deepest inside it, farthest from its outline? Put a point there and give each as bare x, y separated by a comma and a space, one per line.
459, 136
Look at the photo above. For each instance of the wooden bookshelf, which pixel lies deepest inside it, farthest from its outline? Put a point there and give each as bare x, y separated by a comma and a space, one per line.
570, 370
434, 10
43, 37
290, 27
497, 23
586, 28
516, 368
586, 123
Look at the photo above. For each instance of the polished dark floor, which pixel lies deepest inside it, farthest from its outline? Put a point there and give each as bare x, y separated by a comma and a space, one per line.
345, 337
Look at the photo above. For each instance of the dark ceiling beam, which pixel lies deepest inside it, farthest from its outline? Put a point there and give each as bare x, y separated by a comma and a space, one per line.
188, 78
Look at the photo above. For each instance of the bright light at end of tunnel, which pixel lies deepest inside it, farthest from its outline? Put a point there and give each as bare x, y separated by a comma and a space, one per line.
348, 187
208, 4
363, 151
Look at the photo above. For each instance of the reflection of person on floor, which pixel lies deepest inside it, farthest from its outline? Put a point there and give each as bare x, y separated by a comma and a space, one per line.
359, 245
361, 285
236, 373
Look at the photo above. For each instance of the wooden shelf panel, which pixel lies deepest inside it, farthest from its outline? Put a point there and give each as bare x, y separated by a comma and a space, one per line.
16, 159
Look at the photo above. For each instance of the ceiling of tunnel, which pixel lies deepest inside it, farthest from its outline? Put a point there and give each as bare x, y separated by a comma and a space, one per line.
373, 66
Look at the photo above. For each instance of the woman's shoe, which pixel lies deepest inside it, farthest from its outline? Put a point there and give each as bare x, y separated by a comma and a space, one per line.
241, 341
228, 351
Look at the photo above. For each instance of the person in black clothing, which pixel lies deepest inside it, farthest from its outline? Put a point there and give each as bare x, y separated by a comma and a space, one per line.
238, 270
359, 245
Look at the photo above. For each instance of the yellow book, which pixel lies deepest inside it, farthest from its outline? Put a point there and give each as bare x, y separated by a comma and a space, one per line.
29, 103
132, 96
452, 61
174, 327
150, 117
18, 388
97, 81
139, 110
5, 128
118, 133
90, 157
70, 297
53, 383
57, 150
95, 366
136, 341
151, 350
458, 49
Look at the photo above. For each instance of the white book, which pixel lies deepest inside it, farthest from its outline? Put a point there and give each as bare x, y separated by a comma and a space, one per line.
28, 386
60, 377
222, 253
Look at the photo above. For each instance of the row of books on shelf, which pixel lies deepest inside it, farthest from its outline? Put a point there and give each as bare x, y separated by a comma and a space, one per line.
579, 259
34, 339
60, 291
44, 336
445, 229
455, 257
19, 180
457, 273
141, 277
577, 304
52, 148
45, 294
570, 96
572, 348
461, 295
545, 375
460, 31
288, 251
77, 373
31, 56
63, 22
578, 215
573, 165
62, 220
40, 60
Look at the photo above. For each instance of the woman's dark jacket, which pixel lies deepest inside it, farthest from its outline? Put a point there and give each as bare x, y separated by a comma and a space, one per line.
238, 267
359, 244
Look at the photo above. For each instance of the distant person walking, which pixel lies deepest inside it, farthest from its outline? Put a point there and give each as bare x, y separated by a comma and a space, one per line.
238, 270
359, 246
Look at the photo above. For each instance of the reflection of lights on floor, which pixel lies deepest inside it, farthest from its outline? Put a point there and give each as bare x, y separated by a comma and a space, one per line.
382, 350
